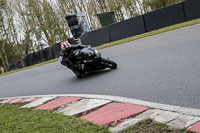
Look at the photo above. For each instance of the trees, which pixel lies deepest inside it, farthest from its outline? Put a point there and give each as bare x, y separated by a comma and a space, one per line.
156, 4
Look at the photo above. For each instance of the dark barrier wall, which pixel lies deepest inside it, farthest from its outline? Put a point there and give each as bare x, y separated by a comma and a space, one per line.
96, 37
51, 53
56, 50
192, 9
10, 66
27, 60
44, 54
35, 58
16, 65
164, 17
21, 64
127, 28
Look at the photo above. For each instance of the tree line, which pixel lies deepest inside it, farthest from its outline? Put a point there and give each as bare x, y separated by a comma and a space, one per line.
30, 25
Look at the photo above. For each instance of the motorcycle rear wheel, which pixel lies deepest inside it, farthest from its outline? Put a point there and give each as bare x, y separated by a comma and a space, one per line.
109, 63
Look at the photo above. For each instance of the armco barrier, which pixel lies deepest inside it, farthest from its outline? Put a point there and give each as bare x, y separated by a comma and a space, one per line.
164, 17
127, 28
96, 37
192, 9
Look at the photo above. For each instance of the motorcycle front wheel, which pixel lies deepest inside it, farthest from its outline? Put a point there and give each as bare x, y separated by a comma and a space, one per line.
109, 64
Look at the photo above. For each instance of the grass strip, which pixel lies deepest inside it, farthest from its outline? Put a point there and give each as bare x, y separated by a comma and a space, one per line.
18, 120
155, 32
149, 126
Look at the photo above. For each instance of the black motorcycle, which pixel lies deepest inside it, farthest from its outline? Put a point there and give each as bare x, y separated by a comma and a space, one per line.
88, 60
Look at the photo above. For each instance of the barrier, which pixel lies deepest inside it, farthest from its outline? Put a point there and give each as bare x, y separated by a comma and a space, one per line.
127, 28
21, 64
27, 60
96, 37
35, 58
16, 65
51, 53
10, 66
44, 54
192, 9
56, 50
164, 17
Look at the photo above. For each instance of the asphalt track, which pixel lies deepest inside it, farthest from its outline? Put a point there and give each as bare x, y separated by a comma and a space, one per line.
163, 68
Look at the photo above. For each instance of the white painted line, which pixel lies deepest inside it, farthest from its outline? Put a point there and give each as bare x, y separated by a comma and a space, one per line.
82, 106
184, 110
38, 102
183, 122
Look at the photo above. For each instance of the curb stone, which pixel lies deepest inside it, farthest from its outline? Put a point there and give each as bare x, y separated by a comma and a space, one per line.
110, 111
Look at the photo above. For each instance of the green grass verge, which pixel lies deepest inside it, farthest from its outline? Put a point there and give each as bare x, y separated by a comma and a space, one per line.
170, 28
16, 120
149, 126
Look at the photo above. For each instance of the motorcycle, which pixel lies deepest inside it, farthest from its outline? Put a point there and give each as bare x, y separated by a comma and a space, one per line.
89, 60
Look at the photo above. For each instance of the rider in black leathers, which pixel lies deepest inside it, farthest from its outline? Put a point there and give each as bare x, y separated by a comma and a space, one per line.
68, 55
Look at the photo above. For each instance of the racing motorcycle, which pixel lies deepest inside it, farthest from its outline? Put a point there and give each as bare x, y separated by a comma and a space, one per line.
88, 60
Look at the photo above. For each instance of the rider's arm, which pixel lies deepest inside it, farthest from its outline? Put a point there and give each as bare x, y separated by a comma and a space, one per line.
78, 46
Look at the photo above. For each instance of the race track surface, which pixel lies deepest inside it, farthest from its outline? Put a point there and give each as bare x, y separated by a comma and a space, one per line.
163, 68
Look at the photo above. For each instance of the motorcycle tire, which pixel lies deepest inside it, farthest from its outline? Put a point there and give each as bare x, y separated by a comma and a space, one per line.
109, 63
80, 74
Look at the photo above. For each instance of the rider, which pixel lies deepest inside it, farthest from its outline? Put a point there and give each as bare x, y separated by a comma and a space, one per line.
68, 54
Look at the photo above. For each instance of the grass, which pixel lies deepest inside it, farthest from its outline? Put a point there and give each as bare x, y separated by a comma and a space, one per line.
166, 29
149, 126
17, 120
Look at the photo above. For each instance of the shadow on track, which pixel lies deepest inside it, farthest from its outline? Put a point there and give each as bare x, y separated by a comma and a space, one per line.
91, 75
